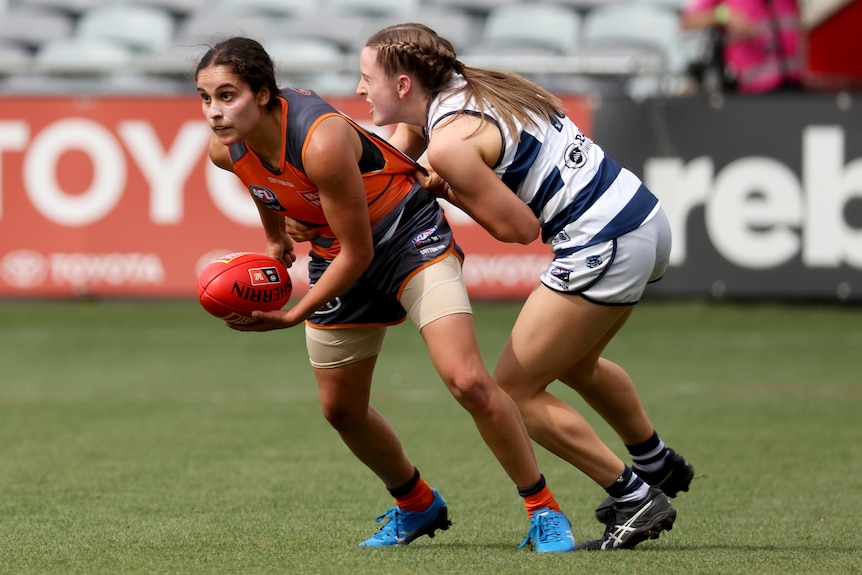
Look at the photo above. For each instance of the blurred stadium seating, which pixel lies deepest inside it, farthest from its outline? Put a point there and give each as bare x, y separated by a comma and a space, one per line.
95, 46
542, 29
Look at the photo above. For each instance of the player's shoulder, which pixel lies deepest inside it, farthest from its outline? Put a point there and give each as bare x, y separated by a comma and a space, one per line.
305, 100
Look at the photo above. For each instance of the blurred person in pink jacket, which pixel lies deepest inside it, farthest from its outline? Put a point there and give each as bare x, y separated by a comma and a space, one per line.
761, 41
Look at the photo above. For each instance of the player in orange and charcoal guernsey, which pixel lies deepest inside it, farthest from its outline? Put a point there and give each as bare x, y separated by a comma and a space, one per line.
382, 251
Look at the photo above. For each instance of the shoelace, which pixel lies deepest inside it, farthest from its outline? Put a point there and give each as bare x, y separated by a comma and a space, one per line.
546, 526
390, 529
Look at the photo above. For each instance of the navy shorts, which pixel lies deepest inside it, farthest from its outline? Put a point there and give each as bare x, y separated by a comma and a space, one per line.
413, 236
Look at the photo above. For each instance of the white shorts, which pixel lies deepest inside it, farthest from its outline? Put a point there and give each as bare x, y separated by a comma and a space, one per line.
615, 272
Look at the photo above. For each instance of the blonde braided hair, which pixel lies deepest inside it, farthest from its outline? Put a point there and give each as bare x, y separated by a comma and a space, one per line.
418, 50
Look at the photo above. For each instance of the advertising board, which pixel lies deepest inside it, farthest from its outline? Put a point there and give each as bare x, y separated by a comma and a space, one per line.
116, 197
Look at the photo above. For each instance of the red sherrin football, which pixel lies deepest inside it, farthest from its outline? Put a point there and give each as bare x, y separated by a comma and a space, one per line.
233, 286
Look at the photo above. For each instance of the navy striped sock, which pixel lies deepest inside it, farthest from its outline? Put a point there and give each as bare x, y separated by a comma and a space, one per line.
648, 456
627, 487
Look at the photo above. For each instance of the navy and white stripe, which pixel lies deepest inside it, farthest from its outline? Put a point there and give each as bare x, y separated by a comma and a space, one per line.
580, 196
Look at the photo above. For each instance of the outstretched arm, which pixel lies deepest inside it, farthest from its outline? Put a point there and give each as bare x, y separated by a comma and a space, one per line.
462, 157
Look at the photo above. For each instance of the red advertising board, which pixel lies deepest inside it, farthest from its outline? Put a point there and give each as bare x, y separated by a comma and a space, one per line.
115, 197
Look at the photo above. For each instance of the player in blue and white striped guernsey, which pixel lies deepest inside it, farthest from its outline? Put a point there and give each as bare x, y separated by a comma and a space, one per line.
501, 148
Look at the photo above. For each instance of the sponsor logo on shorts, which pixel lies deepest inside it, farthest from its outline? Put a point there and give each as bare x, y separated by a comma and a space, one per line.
432, 249
552, 281
426, 237
329, 307
593, 261
560, 238
560, 273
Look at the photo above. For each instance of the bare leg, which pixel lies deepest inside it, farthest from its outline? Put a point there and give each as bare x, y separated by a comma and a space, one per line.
344, 397
454, 349
609, 390
561, 336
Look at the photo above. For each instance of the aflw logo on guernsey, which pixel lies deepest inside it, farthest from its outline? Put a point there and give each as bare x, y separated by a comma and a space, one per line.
258, 277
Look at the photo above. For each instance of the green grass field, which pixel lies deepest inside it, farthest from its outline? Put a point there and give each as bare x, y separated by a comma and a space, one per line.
144, 437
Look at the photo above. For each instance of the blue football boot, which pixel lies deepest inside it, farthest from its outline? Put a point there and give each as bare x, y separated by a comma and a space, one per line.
405, 526
550, 532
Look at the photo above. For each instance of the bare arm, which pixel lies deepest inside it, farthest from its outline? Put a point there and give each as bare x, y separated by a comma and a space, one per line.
278, 243
331, 163
463, 158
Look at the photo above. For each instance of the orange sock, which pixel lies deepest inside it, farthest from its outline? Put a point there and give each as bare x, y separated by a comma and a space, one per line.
543, 498
419, 498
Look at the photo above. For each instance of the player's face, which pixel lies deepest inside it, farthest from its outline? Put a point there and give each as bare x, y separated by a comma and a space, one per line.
379, 91
228, 103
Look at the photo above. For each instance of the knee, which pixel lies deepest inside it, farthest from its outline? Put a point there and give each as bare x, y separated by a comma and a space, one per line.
473, 391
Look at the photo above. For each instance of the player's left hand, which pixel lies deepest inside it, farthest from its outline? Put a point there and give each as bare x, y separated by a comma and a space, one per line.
282, 250
300, 232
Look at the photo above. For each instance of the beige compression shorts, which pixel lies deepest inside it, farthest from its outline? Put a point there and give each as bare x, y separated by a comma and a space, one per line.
436, 291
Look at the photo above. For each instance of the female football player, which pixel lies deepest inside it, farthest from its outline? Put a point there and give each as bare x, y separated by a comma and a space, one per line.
502, 149
382, 251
